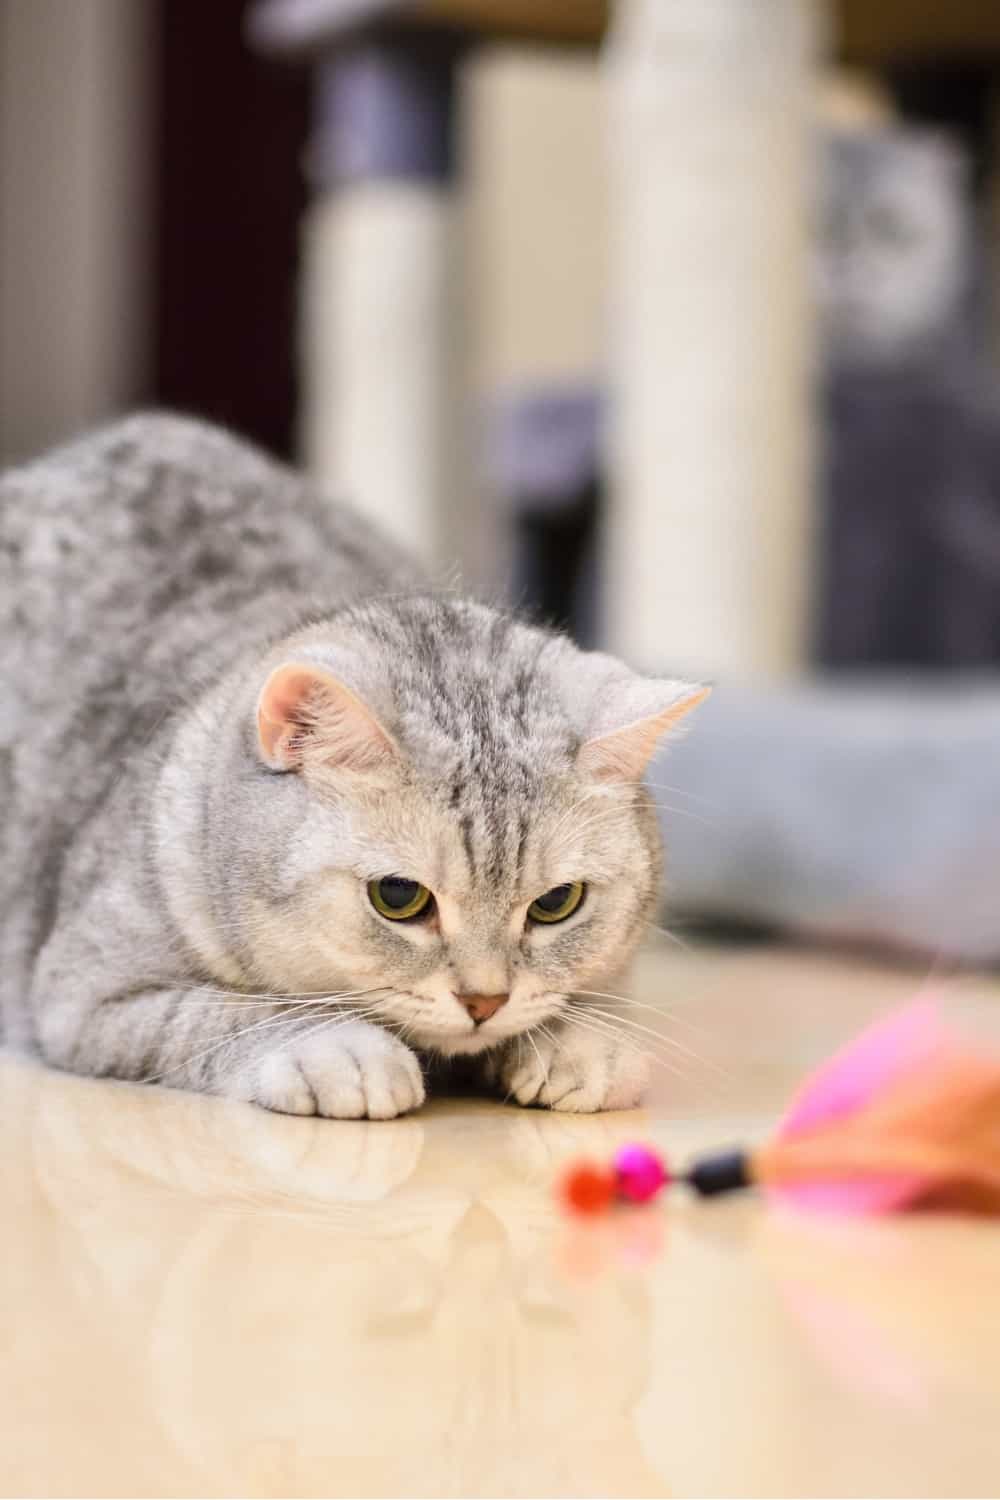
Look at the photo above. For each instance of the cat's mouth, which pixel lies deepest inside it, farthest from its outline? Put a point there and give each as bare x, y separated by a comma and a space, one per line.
463, 1037
455, 1041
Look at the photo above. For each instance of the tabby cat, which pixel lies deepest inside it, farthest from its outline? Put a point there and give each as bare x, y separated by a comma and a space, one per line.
281, 822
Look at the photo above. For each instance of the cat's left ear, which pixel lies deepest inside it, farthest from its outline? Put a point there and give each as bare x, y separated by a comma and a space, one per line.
632, 718
304, 713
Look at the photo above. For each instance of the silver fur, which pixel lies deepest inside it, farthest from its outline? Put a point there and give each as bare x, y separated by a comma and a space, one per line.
174, 910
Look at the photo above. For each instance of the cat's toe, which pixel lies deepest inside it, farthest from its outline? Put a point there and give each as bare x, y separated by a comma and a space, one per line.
526, 1084
542, 1078
525, 1079
579, 1074
617, 1081
392, 1086
297, 1081
578, 1096
282, 1086
351, 1072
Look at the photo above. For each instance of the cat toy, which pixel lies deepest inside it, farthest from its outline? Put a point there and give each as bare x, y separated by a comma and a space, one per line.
906, 1116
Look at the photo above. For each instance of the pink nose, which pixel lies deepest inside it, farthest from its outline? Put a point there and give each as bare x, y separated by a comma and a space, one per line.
481, 1007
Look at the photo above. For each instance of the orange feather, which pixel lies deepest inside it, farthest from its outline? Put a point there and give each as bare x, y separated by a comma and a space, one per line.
937, 1129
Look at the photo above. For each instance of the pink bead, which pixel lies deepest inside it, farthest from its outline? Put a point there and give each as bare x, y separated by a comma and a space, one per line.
640, 1173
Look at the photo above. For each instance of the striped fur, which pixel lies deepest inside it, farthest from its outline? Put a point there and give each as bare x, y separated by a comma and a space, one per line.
173, 909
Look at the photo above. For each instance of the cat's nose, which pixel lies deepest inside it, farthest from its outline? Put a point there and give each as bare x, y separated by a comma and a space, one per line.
481, 1007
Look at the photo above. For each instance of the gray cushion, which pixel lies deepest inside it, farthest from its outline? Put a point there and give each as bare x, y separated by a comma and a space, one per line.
862, 811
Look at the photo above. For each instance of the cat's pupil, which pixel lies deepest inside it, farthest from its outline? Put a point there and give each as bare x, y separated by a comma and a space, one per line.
396, 892
554, 899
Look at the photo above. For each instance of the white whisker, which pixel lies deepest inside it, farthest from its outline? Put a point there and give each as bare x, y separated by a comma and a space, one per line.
545, 1072
665, 1041
668, 1015
600, 1028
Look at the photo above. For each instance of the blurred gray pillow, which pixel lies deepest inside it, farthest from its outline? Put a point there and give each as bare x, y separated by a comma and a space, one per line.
865, 811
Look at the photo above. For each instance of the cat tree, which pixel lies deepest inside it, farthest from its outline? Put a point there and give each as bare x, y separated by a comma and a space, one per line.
707, 536
820, 807
706, 539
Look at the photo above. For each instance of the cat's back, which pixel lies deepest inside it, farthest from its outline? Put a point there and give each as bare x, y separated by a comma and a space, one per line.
159, 515
133, 563
136, 563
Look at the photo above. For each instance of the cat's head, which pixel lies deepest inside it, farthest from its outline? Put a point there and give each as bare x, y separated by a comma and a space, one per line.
435, 802
892, 246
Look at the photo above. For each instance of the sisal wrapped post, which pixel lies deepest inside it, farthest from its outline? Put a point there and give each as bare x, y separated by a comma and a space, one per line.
381, 389
708, 532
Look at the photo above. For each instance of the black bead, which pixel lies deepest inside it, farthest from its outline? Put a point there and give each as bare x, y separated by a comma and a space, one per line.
720, 1174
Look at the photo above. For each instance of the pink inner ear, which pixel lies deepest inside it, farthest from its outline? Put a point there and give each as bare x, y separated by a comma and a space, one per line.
624, 754
621, 756
305, 713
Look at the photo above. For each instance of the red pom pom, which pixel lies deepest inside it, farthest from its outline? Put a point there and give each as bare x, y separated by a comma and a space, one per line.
640, 1173
587, 1189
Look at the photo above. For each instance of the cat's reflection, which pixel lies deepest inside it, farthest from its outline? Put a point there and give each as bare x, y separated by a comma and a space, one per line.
290, 1306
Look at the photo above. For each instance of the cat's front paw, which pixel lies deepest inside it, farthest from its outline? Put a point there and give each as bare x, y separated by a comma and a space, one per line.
573, 1070
348, 1071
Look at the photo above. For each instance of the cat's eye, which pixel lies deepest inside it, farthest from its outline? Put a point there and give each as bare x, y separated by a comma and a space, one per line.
399, 899
558, 904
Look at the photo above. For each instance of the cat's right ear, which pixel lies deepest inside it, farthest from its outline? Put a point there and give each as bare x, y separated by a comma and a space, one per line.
636, 713
305, 714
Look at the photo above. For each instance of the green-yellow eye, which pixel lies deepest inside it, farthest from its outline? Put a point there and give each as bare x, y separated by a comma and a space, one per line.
558, 904
397, 898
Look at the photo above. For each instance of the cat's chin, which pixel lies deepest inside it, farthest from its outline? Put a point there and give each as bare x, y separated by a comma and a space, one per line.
459, 1044
466, 1045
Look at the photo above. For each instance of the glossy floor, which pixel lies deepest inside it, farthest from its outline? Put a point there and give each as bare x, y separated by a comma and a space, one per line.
201, 1299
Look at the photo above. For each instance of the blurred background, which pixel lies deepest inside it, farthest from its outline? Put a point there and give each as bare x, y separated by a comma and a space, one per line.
674, 321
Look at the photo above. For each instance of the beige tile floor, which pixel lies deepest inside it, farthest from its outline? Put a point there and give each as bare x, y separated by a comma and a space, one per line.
198, 1298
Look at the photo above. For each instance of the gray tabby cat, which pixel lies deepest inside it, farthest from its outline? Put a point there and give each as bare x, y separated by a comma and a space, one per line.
281, 823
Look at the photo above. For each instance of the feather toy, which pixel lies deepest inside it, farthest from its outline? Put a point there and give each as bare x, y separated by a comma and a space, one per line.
905, 1116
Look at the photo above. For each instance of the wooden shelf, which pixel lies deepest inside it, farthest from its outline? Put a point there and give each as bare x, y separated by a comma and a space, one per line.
882, 31
301, 27
534, 20
866, 31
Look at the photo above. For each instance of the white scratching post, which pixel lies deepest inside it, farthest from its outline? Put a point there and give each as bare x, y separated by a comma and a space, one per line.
381, 418
381, 393
708, 531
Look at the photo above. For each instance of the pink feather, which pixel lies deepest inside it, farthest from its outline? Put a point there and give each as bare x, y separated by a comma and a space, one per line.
906, 1039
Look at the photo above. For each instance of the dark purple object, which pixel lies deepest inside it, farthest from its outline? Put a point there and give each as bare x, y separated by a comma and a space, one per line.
385, 110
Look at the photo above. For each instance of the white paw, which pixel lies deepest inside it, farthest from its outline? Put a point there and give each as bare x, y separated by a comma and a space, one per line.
574, 1070
352, 1071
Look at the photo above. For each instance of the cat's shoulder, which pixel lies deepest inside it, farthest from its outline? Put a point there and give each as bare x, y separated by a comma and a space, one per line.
128, 453
149, 479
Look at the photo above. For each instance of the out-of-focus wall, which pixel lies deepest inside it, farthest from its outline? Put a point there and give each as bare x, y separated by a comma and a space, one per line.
534, 158
74, 215
534, 238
